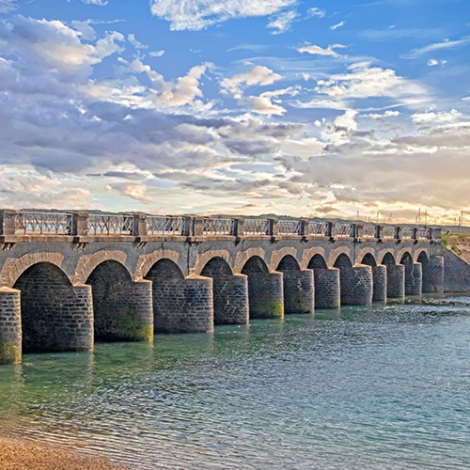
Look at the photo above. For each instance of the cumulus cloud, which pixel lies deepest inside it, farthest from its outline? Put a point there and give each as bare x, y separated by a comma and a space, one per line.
258, 75
200, 14
317, 50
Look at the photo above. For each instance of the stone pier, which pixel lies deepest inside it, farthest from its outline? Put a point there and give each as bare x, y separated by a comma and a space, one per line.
10, 326
356, 285
379, 276
327, 288
433, 275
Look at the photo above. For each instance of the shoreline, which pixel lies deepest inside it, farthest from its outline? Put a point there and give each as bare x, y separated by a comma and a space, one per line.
20, 454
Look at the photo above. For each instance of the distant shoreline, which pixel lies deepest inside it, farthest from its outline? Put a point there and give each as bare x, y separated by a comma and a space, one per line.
19, 454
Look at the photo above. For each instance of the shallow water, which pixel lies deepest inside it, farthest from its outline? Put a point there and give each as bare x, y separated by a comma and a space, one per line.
386, 387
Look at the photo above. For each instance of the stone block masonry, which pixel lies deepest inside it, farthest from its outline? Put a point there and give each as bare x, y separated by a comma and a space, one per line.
456, 272
183, 305
327, 288
266, 295
413, 279
10, 326
299, 291
379, 276
230, 299
395, 281
433, 275
356, 285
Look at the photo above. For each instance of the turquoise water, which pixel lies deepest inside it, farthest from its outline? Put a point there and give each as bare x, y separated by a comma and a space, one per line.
386, 387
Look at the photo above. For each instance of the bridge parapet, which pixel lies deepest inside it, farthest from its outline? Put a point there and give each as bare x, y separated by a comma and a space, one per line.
137, 224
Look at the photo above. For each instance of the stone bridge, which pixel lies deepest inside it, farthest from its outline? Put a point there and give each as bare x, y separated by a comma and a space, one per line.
69, 279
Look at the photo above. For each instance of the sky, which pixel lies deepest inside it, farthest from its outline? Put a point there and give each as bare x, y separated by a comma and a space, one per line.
338, 108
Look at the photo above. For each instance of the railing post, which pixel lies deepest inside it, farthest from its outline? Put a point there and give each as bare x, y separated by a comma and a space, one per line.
79, 224
378, 232
329, 229
359, 228
186, 230
197, 229
139, 225
7, 222
397, 233
352, 230
238, 227
414, 233
429, 233
303, 227
273, 227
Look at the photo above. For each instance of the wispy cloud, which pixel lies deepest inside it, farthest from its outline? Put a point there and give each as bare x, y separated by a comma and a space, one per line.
282, 22
312, 12
317, 50
7, 5
200, 14
447, 44
101, 3
138, 45
338, 25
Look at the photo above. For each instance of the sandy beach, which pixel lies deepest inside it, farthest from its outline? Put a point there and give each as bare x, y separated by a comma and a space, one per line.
26, 455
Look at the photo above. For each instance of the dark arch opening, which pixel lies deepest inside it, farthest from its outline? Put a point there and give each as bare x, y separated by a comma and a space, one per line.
45, 294
369, 260
343, 261
216, 267
388, 259
288, 263
317, 262
255, 265
423, 258
111, 286
164, 269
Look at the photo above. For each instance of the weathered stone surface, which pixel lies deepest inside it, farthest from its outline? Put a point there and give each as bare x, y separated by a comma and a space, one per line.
433, 275
379, 276
327, 288
10, 326
356, 285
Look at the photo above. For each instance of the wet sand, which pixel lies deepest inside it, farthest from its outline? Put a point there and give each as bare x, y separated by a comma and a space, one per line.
27, 455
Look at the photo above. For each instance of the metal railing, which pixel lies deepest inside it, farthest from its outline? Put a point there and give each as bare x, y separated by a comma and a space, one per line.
161, 225
388, 231
104, 224
289, 227
217, 226
422, 232
57, 223
341, 230
316, 228
256, 226
368, 231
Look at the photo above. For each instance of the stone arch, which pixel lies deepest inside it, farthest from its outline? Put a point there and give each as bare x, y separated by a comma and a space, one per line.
368, 259
55, 315
383, 253
243, 256
146, 262
230, 292
343, 261
395, 276
288, 263
278, 255
121, 306
255, 264
336, 253
88, 263
317, 262
14, 268
363, 253
205, 258
413, 273
388, 259
310, 253
422, 257
164, 268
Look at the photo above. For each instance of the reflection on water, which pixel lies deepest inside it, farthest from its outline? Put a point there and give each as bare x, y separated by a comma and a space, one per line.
386, 387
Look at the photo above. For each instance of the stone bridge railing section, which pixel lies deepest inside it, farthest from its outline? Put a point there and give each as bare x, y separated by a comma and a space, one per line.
69, 279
